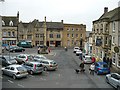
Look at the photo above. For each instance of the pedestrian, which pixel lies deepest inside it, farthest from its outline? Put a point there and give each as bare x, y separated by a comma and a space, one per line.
82, 67
81, 56
49, 50
110, 62
104, 59
38, 50
92, 68
107, 61
93, 59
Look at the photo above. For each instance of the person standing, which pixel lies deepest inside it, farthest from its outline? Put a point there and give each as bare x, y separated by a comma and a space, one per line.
93, 59
82, 66
110, 62
104, 59
49, 50
92, 68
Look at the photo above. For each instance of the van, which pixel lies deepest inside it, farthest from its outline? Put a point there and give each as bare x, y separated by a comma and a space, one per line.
24, 44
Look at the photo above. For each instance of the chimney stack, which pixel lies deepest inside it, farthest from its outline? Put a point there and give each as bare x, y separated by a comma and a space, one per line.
45, 19
105, 9
62, 21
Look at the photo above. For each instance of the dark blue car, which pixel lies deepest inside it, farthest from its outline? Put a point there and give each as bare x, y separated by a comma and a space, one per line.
102, 68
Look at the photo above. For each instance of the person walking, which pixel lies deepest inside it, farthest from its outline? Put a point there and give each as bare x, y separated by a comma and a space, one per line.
38, 50
93, 59
49, 50
104, 59
82, 69
92, 68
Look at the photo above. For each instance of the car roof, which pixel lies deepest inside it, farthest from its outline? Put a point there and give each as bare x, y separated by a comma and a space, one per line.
76, 47
116, 74
87, 56
48, 60
15, 65
33, 62
101, 63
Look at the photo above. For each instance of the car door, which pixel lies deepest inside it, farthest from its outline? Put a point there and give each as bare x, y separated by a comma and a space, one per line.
4, 62
11, 72
7, 70
114, 80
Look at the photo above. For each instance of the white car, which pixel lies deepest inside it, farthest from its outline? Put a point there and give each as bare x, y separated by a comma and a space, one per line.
75, 49
114, 80
87, 59
78, 52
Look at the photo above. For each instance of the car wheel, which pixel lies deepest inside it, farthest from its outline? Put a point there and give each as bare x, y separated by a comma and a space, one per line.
118, 87
31, 72
97, 72
45, 68
14, 77
107, 80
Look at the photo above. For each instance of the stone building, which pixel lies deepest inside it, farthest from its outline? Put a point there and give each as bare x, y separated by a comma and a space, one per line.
74, 35
10, 29
52, 33
106, 33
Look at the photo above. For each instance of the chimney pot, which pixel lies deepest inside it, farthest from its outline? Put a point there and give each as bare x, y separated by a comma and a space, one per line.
105, 9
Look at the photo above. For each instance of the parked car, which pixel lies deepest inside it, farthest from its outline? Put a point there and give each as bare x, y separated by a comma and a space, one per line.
24, 44
75, 49
48, 64
40, 57
16, 49
78, 52
3, 49
15, 71
102, 68
5, 46
33, 67
87, 59
7, 60
22, 58
114, 80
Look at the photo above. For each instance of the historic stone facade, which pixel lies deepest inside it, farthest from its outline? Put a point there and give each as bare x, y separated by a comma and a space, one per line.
9, 29
106, 35
74, 35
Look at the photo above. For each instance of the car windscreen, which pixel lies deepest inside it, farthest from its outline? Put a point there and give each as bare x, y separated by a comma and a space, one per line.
104, 66
39, 65
21, 69
9, 58
53, 63
88, 58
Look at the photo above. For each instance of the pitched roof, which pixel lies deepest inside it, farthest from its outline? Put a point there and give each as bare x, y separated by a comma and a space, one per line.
110, 14
8, 19
54, 25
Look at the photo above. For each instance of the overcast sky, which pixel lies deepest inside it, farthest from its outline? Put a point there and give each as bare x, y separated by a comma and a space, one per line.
71, 11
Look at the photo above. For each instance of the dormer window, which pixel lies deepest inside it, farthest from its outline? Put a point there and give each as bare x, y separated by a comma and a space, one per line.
10, 23
3, 23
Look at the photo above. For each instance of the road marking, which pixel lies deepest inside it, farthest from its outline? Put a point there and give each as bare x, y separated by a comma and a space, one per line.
20, 85
10, 81
1, 77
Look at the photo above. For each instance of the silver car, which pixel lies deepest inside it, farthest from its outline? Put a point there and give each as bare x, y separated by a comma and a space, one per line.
22, 58
15, 71
114, 80
33, 67
87, 59
48, 64
39, 57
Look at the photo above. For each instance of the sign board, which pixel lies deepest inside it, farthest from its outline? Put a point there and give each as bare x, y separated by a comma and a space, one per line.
116, 49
